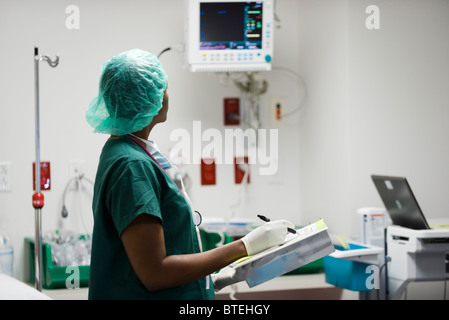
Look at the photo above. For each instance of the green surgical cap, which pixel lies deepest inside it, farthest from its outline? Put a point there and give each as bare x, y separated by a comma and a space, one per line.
132, 86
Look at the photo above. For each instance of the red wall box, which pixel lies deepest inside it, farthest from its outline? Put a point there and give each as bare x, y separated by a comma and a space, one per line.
231, 111
208, 172
45, 175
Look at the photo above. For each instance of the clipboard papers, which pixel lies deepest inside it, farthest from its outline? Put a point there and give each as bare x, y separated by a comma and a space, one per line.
307, 245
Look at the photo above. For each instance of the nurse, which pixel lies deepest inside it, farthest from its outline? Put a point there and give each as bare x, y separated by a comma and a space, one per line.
145, 245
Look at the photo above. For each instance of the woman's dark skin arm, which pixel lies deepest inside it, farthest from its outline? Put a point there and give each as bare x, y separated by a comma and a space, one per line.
144, 243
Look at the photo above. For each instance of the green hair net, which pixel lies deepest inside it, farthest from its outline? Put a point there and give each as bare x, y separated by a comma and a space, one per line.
132, 86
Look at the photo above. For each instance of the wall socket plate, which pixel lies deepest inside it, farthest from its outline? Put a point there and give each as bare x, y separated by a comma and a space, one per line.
277, 110
76, 168
5, 176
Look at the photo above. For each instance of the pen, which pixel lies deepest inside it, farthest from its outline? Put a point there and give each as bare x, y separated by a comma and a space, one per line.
268, 220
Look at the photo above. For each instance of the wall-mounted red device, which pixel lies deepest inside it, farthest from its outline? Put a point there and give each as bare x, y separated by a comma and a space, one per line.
231, 111
45, 175
208, 172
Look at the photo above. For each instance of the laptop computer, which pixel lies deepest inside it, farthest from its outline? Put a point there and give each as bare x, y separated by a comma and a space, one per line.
400, 202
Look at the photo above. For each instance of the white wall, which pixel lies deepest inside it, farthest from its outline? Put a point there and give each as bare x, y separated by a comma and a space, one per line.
323, 132
398, 100
376, 103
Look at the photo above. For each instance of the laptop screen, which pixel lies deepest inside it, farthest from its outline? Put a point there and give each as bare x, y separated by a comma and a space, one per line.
400, 202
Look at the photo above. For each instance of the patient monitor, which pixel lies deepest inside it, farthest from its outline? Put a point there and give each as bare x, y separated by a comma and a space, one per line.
229, 36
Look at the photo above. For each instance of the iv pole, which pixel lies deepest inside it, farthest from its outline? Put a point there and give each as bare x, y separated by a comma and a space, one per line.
38, 197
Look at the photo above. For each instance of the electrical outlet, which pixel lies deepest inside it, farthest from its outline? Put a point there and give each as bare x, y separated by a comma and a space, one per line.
277, 110
76, 168
5, 176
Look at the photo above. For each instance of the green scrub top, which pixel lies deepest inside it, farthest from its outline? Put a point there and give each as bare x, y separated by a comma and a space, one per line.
130, 183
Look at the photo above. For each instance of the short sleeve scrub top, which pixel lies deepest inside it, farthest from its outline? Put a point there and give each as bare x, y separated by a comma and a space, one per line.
129, 183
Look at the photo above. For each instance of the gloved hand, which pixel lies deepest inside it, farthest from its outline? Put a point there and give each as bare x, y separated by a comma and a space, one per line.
266, 236
228, 276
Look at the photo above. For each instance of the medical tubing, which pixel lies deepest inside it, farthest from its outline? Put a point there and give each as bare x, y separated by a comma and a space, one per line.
183, 187
300, 82
177, 47
243, 183
163, 51
133, 138
64, 212
184, 194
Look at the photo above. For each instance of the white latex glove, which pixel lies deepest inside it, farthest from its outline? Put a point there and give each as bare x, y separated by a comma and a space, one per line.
228, 276
266, 236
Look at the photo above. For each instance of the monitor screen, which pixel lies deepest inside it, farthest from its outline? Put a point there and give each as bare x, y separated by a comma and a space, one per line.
230, 25
228, 36
400, 202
